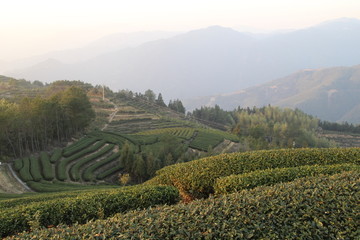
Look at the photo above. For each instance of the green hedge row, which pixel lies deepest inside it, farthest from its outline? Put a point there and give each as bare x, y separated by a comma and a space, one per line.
76, 189
35, 168
196, 179
18, 164
47, 169
50, 187
235, 183
75, 169
108, 172
323, 207
61, 168
84, 207
204, 140
110, 137
78, 146
25, 170
57, 154
88, 174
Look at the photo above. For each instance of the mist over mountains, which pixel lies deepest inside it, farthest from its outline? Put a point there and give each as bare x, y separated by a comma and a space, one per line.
331, 94
210, 61
100, 46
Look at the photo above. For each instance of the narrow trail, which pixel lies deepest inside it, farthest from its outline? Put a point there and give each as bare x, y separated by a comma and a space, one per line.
19, 181
112, 115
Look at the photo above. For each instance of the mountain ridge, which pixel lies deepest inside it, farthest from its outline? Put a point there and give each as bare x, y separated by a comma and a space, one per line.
329, 93
194, 63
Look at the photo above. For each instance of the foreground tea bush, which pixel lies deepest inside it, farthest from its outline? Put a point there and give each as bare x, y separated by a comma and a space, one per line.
83, 207
196, 179
235, 183
323, 207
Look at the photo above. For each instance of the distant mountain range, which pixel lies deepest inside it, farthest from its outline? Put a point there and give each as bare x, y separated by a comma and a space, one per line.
110, 43
331, 94
210, 61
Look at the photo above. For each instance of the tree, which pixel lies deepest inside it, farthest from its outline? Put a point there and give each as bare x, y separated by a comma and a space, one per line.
177, 106
150, 95
139, 168
160, 101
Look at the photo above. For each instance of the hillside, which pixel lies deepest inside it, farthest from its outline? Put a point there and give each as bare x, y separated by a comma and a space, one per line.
193, 63
129, 135
80, 183
313, 190
330, 94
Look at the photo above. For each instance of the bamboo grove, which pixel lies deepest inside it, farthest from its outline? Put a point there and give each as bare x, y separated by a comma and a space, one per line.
33, 123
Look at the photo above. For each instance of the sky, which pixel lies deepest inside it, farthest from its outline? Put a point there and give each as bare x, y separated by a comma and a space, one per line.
38, 26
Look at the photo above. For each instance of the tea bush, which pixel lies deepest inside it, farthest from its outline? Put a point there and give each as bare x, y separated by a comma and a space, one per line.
325, 207
235, 183
196, 179
84, 207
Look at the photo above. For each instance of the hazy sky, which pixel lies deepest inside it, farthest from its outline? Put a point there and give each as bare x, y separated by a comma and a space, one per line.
37, 26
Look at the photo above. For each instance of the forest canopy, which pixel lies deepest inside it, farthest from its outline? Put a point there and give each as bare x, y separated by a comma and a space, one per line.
34, 123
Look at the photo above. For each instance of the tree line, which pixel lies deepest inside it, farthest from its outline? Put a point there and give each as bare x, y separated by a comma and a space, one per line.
34, 123
150, 96
267, 127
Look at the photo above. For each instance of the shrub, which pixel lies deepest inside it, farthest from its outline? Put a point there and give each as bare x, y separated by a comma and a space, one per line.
35, 168
61, 168
47, 169
324, 207
84, 207
18, 164
75, 169
25, 170
88, 174
235, 183
57, 154
195, 179
78, 146
108, 172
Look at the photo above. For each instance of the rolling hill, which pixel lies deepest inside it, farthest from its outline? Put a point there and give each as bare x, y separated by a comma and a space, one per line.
330, 94
211, 61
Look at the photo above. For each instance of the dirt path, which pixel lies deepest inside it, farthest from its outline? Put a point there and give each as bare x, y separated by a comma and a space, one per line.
9, 181
112, 115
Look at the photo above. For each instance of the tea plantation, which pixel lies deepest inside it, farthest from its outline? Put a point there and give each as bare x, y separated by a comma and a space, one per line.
293, 193
324, 207
275, 194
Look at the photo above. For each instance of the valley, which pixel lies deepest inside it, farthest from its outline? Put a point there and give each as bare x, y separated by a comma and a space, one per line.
137, 155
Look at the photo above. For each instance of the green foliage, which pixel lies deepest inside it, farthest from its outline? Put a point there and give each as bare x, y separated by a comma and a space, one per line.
205, 139
109, 172
25, 170
197, 178
78, 146
214, 114
61, 168
177, 106
57, 154
56, 186
235, 183
86, 206
89, 172
47, 170
18, 164
340, 127
324, 207
35, 168
184, 133
75, 169
34, 123
272, 127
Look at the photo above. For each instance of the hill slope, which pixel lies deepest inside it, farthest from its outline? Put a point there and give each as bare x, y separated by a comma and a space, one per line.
331, 94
